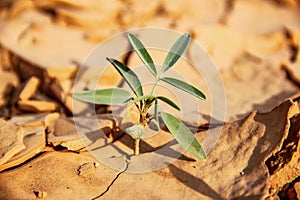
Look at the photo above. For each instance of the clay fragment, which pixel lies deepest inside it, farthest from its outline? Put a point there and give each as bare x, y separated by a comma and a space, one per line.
11, 141
34, 137
29, 88
35, 143
76, 133
36, 106
284, 164
86, 169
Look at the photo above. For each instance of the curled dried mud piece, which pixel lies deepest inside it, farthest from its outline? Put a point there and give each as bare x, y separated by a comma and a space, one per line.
37, 106
49, 86
11, 141
76, 133
29, 88
34, 142
284, 164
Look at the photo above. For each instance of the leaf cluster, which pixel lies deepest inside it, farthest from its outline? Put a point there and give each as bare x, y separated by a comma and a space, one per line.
114, 96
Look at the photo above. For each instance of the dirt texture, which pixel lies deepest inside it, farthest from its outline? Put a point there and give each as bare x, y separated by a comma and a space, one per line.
49, 148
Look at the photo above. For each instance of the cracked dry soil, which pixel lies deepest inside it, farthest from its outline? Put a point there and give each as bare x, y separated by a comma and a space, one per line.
255, 46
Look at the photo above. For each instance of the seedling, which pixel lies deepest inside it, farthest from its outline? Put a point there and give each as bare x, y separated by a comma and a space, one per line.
143, 102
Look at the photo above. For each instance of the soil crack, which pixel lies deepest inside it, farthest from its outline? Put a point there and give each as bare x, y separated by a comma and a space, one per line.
288, 68
229, 6
113, 181
292, 44
290, 76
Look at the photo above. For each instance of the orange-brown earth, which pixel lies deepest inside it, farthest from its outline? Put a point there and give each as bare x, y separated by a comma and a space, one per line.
255, 47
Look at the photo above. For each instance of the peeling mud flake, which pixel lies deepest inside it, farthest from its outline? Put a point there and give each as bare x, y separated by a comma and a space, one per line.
86, 169
78, 132
11, 141
36, 106
35, 143
284, 164
29, 88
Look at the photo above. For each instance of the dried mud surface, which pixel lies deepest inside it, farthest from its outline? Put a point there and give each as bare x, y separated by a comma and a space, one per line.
255, 47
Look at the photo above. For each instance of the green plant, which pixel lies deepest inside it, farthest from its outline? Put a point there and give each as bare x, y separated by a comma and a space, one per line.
143, 102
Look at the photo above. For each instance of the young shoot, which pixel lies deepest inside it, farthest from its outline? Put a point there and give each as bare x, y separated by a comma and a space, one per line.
143, 102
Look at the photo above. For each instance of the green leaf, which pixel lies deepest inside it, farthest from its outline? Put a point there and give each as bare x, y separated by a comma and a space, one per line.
141, 98
142, 53
168, 101
185, 87
183, 135
111, 96
176, 51
129, 76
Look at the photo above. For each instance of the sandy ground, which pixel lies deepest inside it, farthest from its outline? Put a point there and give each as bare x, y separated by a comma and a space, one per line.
249, 123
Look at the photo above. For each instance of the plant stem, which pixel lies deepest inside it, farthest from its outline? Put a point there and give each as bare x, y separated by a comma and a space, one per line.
137, 146
143, 122
155, 84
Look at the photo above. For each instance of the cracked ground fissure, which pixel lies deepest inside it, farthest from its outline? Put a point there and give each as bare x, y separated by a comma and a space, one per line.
112, 182
293, 56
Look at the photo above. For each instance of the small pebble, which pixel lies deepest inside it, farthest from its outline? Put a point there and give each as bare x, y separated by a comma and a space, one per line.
96, 164
41, 194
